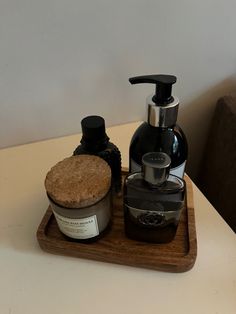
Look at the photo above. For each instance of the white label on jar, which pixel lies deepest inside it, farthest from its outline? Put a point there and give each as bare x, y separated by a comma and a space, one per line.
177, 171
78, 228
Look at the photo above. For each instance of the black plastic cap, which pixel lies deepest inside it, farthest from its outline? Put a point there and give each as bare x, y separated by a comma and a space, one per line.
93, 128
163, 86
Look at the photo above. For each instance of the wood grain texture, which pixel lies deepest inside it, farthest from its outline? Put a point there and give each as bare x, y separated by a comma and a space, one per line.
176, 256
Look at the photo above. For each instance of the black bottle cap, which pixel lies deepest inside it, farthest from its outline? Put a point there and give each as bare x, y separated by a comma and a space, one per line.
163, 86
93, 129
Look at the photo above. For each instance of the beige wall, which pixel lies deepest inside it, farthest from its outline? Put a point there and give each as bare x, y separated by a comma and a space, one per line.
62, 60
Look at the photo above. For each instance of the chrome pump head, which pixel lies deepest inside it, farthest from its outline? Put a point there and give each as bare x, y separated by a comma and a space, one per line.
162, 106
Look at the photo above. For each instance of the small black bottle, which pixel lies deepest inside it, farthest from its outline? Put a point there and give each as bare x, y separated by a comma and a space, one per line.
96, 142
153, 201
160, 133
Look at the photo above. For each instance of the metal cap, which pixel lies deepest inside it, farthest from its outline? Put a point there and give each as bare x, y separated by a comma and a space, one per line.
162, 116
156, 167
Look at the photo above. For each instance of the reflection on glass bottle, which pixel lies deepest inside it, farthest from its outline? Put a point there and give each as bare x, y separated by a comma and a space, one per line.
153, 200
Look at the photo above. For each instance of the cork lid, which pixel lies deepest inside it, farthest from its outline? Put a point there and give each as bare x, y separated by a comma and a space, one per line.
78, 181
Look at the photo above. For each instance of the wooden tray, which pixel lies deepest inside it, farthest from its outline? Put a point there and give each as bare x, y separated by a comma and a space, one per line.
176, 256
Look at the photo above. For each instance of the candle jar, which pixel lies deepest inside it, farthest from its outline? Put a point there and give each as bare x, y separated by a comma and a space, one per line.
79, 193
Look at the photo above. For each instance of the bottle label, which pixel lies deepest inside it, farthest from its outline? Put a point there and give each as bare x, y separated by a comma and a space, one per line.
148, 218
177, 171
78, 228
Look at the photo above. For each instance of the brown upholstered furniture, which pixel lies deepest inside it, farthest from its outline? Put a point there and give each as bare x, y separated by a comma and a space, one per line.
217, 178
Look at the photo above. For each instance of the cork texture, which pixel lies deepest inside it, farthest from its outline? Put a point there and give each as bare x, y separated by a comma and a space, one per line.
78, 181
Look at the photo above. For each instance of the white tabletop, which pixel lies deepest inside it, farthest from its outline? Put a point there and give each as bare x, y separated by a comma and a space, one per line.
35, 282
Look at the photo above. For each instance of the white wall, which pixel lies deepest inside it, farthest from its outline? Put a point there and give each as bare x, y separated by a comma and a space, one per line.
64, 59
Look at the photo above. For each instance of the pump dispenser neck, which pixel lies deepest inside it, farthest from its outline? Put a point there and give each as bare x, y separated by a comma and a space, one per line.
163, 86
162, 106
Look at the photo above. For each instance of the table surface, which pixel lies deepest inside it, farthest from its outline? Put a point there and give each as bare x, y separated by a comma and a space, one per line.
36, 282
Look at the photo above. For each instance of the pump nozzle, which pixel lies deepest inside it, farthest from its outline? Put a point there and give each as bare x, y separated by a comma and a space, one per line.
163, 86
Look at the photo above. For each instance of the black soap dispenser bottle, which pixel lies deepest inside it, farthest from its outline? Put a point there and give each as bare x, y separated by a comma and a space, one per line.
95, 141
160, 133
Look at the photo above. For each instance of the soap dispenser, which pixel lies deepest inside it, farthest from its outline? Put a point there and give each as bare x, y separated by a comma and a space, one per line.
160, 133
